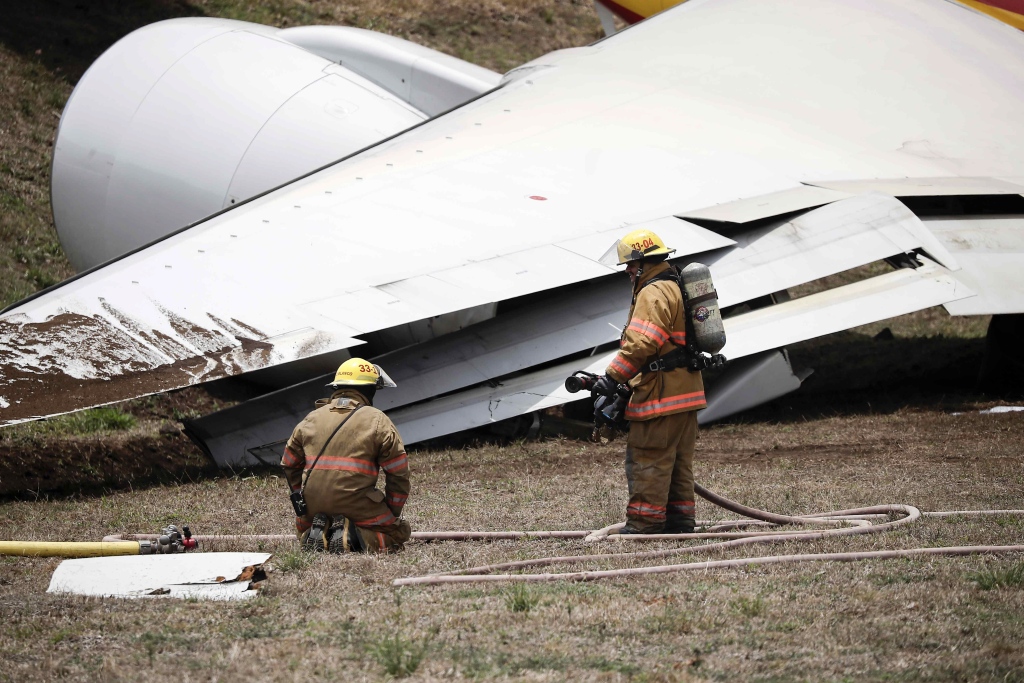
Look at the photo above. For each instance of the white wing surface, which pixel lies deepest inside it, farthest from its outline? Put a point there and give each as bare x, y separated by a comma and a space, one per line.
520, 191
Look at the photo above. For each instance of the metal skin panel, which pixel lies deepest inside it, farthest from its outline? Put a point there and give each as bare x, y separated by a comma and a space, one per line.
502, 346
429, 80
834, 238
494, 279
860, 303
749, 382
685, 237
878, 298
194, 576
766, 206
924, 187
328, 119
990, 250
556, 327
697, 106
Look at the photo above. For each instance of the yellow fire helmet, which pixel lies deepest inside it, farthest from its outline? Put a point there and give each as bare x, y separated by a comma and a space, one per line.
356, 372
635, 246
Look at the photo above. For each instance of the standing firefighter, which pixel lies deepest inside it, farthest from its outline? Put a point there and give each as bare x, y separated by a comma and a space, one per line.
666, 394
332, 461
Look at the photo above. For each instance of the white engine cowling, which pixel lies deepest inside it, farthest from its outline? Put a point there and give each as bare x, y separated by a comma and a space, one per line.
186, 117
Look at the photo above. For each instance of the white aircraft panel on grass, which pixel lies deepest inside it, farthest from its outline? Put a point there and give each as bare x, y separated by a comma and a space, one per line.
193, 576
703, 105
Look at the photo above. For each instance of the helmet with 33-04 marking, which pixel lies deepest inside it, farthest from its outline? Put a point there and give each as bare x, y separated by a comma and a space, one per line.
360, 373
635, 246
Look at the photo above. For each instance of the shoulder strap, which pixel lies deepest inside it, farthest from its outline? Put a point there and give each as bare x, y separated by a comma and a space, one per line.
340, 425
670, 275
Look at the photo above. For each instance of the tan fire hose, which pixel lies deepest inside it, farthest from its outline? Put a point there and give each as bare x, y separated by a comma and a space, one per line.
857, 521
858, 518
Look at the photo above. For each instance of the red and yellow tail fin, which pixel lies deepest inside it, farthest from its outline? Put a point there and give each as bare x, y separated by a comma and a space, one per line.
631, 11
1007, 11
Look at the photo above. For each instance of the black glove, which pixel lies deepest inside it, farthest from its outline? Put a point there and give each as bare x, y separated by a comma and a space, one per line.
605, 386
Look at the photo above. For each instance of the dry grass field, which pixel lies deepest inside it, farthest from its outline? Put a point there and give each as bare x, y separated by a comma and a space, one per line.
338, 618
875, 424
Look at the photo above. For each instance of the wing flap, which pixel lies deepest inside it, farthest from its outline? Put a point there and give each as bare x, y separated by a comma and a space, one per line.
885, 296
768, 205
839, 236
878, 298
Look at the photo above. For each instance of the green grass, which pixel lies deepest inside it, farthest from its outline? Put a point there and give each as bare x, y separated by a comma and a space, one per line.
520, 598
398, 655
292, 561
749, 606
1008, 577
92, 421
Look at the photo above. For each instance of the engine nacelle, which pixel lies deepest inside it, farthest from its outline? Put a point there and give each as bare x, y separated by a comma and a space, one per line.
185, 117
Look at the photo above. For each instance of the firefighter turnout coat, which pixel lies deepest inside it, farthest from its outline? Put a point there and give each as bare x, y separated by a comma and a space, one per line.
344, 480
663, 424
657, 325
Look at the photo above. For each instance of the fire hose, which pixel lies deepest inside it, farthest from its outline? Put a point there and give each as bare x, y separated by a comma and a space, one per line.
167, 542
856, 521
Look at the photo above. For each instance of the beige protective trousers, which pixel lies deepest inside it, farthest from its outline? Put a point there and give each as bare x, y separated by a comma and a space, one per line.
659, 470
382, 539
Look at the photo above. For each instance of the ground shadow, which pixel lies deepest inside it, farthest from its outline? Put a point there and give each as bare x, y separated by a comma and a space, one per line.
855, 374
66, 36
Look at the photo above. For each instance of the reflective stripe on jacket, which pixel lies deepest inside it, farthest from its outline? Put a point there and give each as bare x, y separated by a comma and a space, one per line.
656, 326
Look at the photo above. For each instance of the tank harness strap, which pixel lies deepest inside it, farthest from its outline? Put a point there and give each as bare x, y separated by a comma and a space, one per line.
676, 358
702, 298
679, 357
670, 275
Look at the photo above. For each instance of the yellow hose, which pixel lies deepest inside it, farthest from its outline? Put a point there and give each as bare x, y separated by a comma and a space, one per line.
57, 549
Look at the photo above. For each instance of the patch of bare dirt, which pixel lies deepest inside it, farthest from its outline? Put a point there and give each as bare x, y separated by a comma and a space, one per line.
76, 465
35, 462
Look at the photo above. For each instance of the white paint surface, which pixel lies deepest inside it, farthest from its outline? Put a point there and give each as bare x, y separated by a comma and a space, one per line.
205, 576
702, 105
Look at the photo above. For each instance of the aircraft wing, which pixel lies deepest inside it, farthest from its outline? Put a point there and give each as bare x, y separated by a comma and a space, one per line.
710, 121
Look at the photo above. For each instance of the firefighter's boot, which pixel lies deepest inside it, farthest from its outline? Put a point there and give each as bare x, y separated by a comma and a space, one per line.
680, 525
344, 537
316, 540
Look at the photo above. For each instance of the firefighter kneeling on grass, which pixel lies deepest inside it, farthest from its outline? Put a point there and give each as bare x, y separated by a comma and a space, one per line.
332, 461
661, 409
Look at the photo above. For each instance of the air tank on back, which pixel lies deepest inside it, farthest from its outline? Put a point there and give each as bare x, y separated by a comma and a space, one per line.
702, 306
186, 117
